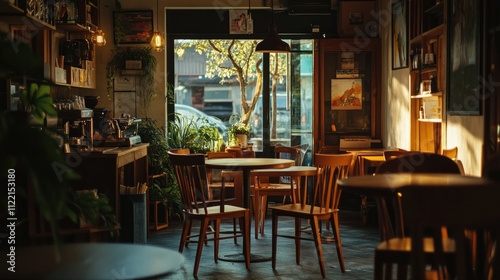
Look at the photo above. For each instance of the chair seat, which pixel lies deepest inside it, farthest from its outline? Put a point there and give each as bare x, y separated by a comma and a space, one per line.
396, 245
296, 208
213, 210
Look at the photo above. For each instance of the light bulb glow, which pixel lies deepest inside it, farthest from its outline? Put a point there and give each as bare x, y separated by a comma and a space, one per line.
98, 38
158, 41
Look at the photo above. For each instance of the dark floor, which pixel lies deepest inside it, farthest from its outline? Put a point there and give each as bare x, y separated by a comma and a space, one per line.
358, 242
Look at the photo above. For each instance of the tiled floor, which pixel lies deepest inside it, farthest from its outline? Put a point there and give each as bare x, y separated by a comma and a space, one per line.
358, 242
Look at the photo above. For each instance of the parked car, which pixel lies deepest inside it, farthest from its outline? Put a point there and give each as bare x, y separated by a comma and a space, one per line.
193, 113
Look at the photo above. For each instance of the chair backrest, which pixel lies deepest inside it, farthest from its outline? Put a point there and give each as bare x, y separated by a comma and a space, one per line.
416, 162
388, 155
329, 150
191, 174
451, 153
183, 151
326, 194
214, 175
286, 152
459, 209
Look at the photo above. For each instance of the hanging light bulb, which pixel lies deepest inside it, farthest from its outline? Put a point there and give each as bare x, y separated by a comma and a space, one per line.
157, 41
98, 38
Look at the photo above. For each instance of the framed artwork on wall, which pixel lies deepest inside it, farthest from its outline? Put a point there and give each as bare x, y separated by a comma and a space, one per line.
356, 18
399, 34
464, 59
133, 27
124, 83
346, 94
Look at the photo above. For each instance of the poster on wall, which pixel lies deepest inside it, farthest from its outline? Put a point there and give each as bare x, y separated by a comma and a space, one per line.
346, 94
464, 58
238, 20
399, 34
124, 103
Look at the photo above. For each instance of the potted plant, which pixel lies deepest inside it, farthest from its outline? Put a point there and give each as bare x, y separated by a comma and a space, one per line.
238, 133
158, 163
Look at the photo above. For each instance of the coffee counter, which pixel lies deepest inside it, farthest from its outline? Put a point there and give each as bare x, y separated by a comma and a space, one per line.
104, 169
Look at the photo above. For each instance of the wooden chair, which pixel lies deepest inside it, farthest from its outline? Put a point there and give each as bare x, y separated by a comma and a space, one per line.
395, 248
182, 151
451, 153
462, 210
388, 155
322, 206
191, 174
280, 188
232, 179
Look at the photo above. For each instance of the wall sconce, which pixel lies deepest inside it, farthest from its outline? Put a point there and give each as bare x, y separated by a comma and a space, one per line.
98, 38
158, 40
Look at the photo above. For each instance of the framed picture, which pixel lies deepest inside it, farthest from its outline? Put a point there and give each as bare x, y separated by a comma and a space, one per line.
133, 27
356, 17
133, 64
124, 103
464, 61
400, 34
346, 94
124, 83
238, 21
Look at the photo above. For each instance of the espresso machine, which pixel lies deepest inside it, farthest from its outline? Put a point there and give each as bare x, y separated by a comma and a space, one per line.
78, 126
125, 130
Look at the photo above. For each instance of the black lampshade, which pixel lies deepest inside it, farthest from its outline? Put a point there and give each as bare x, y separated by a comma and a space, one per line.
272, 43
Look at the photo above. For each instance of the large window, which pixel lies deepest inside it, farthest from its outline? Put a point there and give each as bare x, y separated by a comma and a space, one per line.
204, 81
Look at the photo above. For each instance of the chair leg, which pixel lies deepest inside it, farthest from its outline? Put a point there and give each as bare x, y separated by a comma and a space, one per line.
216, 240
201, 241
378, 273
245, 229
317, 243
274, 238
334, 221
186, 230
234, 230
263, 212
297, 240
256, 213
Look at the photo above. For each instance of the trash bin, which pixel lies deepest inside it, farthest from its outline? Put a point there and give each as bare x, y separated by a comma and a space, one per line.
133, 218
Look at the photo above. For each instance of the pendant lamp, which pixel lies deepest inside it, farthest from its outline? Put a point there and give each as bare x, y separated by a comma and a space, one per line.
272, 43
157, 41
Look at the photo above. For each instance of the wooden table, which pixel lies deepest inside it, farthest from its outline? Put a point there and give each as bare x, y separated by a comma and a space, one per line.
387, 186
246, 165
95, 261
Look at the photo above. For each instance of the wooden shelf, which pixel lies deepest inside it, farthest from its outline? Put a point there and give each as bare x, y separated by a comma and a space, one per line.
436, 9
432, 33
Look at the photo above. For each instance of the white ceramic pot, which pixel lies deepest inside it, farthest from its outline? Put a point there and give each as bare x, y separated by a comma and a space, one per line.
241, 140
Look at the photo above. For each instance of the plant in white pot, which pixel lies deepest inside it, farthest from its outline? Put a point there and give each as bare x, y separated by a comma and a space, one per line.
238, 133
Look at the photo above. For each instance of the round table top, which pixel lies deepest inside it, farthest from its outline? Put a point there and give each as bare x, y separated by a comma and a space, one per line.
248, 163
287, 171
96, 261
389, 183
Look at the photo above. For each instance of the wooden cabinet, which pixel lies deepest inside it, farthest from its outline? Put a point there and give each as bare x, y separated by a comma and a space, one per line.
427, 73
347, 90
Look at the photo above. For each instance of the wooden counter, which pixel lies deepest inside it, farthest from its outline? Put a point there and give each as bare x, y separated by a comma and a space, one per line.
104, 169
